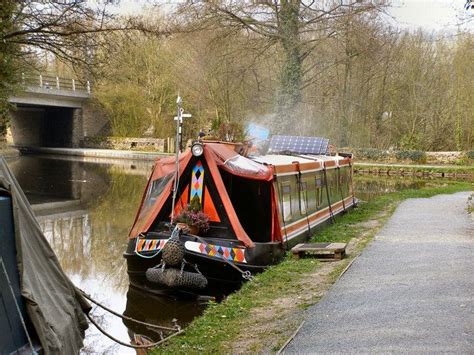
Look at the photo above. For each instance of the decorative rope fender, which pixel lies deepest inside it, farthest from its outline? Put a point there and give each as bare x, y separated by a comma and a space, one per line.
176, 278
173, 252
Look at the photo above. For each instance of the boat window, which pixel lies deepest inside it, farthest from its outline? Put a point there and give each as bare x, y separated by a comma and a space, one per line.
319, 192
303, 200
286, 201
344, 180
156, 188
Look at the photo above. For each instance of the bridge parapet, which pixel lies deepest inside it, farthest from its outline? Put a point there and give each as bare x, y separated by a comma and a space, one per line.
50, 90
53, 85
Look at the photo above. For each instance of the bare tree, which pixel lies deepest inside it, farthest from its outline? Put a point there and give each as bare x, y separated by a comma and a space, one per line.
296, 26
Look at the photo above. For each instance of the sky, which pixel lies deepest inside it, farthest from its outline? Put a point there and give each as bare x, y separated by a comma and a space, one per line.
430, 15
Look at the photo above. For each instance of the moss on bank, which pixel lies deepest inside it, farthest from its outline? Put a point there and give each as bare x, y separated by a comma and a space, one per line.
223, 326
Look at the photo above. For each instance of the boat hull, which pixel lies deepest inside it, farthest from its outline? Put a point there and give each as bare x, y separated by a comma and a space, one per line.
220, 272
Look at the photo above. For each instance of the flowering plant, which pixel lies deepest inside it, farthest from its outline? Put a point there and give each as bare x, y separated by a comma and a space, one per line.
192, 215
193, 218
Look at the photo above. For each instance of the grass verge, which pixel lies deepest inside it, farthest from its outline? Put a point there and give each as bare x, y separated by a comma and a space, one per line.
262, 314
395, 169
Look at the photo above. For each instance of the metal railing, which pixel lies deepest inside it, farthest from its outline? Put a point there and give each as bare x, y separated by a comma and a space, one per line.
55, 83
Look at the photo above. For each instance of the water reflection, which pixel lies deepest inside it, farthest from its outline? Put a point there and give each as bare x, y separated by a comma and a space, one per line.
368, 187
159, 310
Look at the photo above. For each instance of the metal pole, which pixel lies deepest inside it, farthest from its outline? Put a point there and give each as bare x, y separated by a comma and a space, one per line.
73, 85
41, 80
179, 101
57, 83
181, 132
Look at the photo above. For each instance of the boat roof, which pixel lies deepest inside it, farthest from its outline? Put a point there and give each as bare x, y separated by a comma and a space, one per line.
280, 159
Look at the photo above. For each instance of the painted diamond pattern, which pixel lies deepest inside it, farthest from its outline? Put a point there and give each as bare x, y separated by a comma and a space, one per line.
197, 181
219, 251
226, 253
151, 244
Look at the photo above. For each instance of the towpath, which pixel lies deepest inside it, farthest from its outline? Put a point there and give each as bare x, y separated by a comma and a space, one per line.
411, 290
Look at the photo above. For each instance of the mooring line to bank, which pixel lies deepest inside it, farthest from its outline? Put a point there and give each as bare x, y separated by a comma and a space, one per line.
290, 339
178, 328
131, 345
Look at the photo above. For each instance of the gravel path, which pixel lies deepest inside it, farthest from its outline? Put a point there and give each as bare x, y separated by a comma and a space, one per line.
411, 290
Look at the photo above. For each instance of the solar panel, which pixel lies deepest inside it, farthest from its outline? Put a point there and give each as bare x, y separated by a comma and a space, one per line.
299, 145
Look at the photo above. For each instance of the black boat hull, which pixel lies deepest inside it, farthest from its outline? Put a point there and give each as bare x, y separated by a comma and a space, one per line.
219, 272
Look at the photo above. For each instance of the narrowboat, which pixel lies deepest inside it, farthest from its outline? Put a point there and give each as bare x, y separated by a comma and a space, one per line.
257, 208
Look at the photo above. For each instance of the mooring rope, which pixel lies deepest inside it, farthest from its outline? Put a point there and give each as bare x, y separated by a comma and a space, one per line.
327, 193
245, 274
300, 189
126, 317
340, 187
131, 345
352, 184
280, 199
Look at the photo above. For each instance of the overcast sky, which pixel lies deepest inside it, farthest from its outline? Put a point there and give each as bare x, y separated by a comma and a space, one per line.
430, 15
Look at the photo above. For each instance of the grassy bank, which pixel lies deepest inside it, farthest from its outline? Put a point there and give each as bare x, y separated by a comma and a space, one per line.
265, 312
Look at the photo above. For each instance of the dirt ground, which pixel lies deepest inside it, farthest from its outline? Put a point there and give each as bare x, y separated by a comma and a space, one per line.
273, 325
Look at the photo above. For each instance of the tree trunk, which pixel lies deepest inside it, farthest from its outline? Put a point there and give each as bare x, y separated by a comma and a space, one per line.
289, 95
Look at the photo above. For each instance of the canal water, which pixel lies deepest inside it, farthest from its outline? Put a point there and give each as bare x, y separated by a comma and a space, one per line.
85, 209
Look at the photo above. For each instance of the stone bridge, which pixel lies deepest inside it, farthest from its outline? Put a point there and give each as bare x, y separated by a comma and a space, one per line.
51, 112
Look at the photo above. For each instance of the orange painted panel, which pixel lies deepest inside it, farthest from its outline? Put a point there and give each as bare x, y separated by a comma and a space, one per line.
182, 202
209, 207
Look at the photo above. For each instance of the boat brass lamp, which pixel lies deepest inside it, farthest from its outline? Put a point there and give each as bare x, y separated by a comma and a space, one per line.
197, 149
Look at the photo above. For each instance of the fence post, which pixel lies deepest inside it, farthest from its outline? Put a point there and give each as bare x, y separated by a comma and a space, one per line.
88, 87
57, 83
73, 85
41, 80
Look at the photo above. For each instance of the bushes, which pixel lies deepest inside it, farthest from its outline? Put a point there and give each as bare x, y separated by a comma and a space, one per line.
470, 155
371, 154
374, 154
416, 156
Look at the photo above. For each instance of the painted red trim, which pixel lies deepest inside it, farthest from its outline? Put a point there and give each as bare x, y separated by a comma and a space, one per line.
329, 163
234, 221
144, 226
323, 213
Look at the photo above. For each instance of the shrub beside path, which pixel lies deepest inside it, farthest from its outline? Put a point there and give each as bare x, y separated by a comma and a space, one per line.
411, 290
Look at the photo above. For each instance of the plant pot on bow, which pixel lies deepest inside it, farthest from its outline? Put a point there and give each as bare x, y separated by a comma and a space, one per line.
191, 221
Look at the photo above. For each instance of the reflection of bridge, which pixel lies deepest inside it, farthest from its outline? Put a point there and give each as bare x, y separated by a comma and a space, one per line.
49, 112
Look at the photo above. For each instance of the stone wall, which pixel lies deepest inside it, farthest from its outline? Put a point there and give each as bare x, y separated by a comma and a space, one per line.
25, 125
444, 157
94, 123
161, 145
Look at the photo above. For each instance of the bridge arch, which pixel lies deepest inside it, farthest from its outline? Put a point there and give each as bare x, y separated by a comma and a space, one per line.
49, 112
